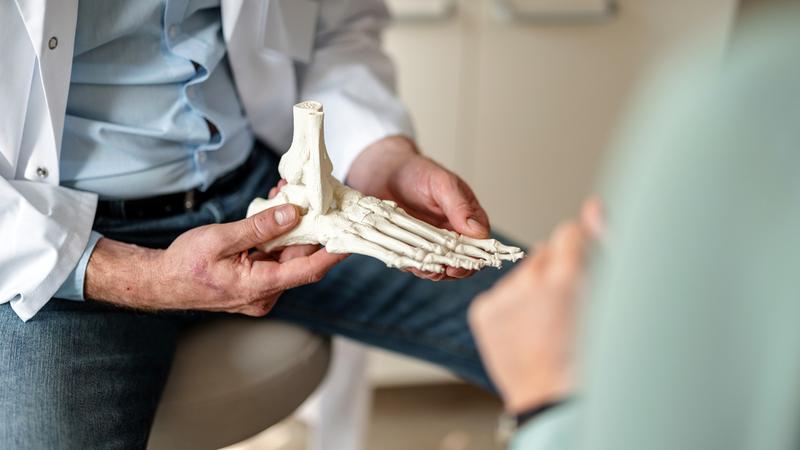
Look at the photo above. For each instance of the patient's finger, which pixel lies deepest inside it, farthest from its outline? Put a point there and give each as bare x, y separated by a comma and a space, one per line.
569, 244
593, 217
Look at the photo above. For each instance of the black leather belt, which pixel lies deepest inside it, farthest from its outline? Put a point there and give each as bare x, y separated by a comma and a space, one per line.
179, 203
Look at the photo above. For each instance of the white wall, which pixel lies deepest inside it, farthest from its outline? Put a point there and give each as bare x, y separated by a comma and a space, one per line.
524, 111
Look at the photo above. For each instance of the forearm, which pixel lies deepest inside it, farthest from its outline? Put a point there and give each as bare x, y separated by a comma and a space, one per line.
122, 274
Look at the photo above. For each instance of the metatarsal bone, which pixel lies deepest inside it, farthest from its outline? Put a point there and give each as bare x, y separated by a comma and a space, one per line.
463, 261
446, 238
350, 243
417, 254
388, 242
406, 236
429, 232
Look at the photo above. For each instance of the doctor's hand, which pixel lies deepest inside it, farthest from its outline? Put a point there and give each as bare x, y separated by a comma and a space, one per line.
393, 169
525, 325
207, 268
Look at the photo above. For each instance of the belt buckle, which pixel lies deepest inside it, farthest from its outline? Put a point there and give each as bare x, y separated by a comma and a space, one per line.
189, 201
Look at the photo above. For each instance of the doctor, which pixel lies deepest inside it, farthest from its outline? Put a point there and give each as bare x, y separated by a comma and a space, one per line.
133, 135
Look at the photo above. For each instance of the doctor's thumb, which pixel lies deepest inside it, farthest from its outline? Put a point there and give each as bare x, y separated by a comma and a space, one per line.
462, 209
259, 228
466, 216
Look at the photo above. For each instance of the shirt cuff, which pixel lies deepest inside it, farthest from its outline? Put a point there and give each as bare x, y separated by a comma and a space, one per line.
72, 288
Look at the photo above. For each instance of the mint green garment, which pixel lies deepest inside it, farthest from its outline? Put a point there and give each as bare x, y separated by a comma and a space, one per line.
692, 337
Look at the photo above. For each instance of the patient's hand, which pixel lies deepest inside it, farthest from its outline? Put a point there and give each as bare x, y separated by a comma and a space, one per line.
524, 325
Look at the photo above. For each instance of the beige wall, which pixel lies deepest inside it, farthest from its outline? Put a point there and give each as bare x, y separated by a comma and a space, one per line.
524, 111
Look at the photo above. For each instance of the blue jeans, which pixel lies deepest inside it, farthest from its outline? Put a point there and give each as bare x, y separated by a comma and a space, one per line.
89, 375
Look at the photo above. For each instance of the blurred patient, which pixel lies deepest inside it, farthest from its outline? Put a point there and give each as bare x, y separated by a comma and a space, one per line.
690, 322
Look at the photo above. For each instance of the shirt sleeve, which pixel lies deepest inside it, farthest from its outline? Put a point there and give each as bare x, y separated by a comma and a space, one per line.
72, 288
351, 75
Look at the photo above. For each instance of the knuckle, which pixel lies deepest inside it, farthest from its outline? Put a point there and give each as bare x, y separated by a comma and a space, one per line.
261, 311
266, 306
446, 180
450, 178
463, 205
251, 296
254, 301
262, 294
563, 275
206, 238
532, 266
314, 277
259, 226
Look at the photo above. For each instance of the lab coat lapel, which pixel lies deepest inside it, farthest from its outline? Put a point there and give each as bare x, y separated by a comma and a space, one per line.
230, 14
265, 78
50, 25
33, 13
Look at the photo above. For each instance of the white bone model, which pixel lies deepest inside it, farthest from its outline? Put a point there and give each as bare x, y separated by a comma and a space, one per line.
347, 221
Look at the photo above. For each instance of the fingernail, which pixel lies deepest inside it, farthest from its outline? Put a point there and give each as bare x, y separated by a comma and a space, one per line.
474, 224
285, 214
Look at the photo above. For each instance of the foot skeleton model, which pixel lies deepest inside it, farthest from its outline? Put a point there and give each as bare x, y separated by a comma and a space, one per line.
347, 221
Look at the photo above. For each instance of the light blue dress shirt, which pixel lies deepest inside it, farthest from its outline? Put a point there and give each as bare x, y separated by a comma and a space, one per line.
150, 80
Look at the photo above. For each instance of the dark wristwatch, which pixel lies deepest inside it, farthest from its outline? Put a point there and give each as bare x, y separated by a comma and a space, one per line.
509, 424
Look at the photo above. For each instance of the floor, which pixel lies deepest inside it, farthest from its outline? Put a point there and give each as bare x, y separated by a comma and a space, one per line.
438, 417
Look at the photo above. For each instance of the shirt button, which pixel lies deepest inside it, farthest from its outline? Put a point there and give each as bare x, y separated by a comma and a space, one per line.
172, 31
52, 43
201, 157
42, 172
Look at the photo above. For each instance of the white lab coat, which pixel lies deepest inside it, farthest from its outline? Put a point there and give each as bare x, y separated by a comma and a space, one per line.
280, 51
